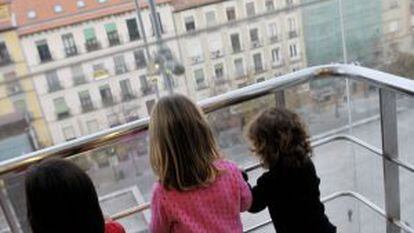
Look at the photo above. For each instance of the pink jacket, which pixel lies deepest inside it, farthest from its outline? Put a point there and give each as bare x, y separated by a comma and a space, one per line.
215, 208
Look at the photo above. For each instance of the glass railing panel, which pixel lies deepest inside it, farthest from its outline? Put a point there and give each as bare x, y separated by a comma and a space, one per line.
4, 226
14, 194
353, 169
362, 220
365, 112
326, 109
123, 178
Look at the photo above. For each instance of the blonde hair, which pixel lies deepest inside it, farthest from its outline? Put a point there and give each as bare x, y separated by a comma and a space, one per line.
182, 146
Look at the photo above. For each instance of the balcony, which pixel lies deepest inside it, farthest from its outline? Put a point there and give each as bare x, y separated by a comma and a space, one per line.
108, 101
362, 150
197, 59
219, 81
63, 115
126, 97
202, 86
5, 60
55, 88
71, 51
147, 90
121, 69
274, 39
14, 89
257, 44
79, 80
216, 54
46, 59
278, 64
241, 76
92, 45
87, 107
237, 50
113, 38
293, 34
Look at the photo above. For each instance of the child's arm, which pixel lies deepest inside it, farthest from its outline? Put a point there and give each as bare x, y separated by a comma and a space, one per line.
159, 219
259, 197
245, 194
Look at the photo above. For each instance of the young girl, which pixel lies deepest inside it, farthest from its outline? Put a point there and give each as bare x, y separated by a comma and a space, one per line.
290, 189
196, 191
60, 197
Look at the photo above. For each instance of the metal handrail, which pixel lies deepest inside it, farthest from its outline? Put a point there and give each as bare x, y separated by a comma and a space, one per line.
357, 197
114, 135
315, 144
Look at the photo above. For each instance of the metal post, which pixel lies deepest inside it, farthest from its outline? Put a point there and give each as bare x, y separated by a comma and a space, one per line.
388, 108
144, 38
280, 99
343, 37
7, 210
158, 36
141, 25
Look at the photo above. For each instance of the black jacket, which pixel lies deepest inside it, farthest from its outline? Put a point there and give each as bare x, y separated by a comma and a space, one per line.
292, 197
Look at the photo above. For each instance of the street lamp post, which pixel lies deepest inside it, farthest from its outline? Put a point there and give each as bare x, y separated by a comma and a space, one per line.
160, 56
141, 25
147, 50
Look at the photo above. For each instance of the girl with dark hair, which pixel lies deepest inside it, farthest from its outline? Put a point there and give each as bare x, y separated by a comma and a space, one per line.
290, 189
60, 197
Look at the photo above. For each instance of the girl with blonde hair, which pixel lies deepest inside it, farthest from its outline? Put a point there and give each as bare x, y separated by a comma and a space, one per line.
197, 190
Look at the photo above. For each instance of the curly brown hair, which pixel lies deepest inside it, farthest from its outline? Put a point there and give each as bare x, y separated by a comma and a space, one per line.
279, 134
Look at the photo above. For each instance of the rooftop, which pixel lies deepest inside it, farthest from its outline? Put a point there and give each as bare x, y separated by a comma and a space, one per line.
39, 15
181, 5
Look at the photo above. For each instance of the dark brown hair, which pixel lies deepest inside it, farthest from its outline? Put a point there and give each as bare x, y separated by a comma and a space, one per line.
60, 197
279, 134
182, 146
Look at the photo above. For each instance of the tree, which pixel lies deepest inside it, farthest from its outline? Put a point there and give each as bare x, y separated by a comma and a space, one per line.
402, 66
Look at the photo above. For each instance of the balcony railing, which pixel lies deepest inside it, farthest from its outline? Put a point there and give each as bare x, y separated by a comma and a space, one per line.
387, 84
257, 44
128, 96
87, 107
55, 87
5, 60
147, 90
108, 101
114, 39
79, 80
63, 115
274, 39
71, 51
293, 34
92, 45
216, 54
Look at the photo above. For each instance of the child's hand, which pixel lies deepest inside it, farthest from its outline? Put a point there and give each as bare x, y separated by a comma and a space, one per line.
107, 218
245, 176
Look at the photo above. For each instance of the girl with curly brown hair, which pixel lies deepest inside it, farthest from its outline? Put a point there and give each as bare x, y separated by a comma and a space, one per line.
290, 189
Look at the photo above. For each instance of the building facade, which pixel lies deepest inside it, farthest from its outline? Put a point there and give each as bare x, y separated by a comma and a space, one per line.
22, 126
232, 44
89, 64
361, 25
